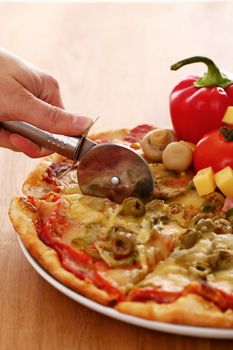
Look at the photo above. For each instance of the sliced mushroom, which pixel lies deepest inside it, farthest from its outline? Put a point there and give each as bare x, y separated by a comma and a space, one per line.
155, 142
177, 156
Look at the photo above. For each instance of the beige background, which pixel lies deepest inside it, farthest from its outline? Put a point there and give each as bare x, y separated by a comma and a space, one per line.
112, 60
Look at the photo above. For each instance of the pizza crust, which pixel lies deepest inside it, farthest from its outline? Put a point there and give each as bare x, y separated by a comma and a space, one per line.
191, 309
47, 257
110, 135
33, 184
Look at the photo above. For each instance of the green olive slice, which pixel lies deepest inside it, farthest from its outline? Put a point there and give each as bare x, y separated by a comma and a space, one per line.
133, 207
122, 243
200, 269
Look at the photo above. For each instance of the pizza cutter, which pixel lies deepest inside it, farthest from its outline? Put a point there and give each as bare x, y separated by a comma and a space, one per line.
104, 170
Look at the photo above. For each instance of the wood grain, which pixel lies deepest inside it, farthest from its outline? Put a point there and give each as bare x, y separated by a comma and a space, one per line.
112, 60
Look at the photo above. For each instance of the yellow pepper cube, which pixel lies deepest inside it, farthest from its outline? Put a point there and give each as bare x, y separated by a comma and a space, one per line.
228, 116
224, 181
204, 181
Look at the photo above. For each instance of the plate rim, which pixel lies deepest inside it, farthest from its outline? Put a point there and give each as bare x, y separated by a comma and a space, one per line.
193, 331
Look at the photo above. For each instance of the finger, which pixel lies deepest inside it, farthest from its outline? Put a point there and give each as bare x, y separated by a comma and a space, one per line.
51, 91
55, 99
28, 147
51, 118
5, 142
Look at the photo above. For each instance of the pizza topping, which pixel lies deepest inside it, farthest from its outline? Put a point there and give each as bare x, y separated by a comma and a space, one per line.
54, 170
113, 262
199, 265
213, 202
79, 263
168, 183
90, 248
122, 243
222, 226
220, 297
205, 225
229, 216
228, 204
204, 181
29, 203
175, 208
155, 142
118, 280
168, 276
189, 239
176, 212
137, 133
157, 295
86, 210
133, 207
220, 259
189, 199
96, 227
177, 156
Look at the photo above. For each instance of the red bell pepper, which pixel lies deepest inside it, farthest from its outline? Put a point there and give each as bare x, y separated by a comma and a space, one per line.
215, 149
197, 105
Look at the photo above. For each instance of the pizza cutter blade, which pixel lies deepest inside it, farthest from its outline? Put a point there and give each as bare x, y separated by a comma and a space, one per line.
106, 170
116, 172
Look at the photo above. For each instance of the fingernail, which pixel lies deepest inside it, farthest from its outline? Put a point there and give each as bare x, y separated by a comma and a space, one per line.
82, 123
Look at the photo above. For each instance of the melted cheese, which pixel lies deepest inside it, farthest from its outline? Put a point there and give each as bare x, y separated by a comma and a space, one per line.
189, 199
172, 229
152, 243
198, 253
85, 215
142, 257
94, 217
122, 279
176, 272
167, 275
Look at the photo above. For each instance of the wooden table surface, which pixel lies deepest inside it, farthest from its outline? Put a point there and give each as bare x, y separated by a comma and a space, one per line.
112, 60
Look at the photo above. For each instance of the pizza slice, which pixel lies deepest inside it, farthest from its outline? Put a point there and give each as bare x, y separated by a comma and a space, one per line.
107, 245
199, 271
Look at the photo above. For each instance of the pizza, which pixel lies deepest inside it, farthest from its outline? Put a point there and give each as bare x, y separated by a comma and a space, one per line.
168, 260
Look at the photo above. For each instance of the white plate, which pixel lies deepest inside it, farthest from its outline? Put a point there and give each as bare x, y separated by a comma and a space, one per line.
203, 332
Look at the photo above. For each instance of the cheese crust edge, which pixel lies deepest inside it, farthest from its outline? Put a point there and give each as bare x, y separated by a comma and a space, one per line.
190, 309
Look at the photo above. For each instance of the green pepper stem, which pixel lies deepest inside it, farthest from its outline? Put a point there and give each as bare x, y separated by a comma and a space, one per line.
213, 77
227, 133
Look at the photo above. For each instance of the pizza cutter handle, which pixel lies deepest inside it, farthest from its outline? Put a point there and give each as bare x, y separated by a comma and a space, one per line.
67, 146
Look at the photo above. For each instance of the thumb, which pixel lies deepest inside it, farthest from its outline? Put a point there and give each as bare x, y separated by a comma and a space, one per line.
51, 118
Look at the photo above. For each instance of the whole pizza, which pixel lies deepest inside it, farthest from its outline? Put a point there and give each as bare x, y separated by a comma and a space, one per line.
169, 259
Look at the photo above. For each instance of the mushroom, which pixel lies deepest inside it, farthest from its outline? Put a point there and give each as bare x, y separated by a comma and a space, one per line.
177, 156
155, 142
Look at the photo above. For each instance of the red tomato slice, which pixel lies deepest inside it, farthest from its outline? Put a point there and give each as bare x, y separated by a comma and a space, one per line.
221, 298
101, 282
158, 295
176, 182
77, 256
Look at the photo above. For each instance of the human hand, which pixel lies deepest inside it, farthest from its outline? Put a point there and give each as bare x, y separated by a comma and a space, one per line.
32, 95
